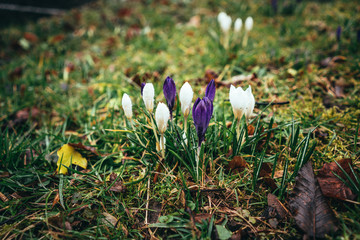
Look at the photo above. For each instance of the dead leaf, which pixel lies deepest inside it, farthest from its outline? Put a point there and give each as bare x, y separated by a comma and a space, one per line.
274, 202
3, 197
109, 219
57, 38
80, 146
194, 21
251, 130
237, 164
118, 186
31, 37
67, 156
265, 173
331, 185
312, 213
16, 73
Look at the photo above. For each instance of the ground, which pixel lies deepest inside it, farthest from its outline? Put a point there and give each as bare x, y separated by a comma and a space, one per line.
62, 81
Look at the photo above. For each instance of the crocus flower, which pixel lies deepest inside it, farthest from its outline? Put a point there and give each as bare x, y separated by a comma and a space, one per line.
210, 90
142, 88
237, 25
202, 112
242, 102
224, 21
162, 116
274, 5
338, 33
148, 96
169, 89
249, 23
127, 106
186, 95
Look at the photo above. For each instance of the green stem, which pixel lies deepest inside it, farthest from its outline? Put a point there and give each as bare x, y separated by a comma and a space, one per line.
197, 162
162, 142
154, 129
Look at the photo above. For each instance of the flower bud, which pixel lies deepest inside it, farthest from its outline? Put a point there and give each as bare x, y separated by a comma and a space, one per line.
249, 22
186, 95
210, 90
148, 96
251, 103
202, 113
169, 90
127, 106
224, 21
237, 25
162, 115
242, 102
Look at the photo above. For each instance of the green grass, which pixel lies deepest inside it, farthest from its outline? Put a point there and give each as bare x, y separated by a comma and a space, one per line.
111, 54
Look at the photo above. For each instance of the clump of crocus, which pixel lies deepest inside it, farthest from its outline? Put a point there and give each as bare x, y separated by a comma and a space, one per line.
242, 102
162, 115
249, 23
148, 94
127, 106
169, 89
225, 25
338, 33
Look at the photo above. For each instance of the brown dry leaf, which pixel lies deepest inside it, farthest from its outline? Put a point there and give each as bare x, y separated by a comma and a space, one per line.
80, 146
237, 164
57, 38
31, 37
331, 185
237, 79
251, 130
265, 173
3, 197
312, 213
118, 186
202, 216
56, 199
274, 202
109, 219
16, 73
194, 21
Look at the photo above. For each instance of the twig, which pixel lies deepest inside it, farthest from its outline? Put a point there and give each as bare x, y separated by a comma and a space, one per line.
272, 103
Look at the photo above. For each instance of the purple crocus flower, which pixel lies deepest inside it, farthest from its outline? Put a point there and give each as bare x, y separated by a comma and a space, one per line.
169, 90
142, 87
202, 112
274, 5
338, 33
210, 90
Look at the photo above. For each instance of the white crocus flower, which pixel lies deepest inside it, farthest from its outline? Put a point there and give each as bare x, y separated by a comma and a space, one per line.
224, 21
162, 115
127, 106
148, 96
238, 101
249, 23
186, 95
237, 25
251, 103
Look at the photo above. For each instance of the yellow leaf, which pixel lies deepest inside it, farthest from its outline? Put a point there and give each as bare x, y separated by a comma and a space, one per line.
67, 156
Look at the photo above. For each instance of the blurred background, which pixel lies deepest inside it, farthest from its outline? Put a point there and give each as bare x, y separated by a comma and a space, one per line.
15, 12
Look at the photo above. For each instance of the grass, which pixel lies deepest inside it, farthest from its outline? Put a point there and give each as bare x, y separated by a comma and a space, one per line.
65, 86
